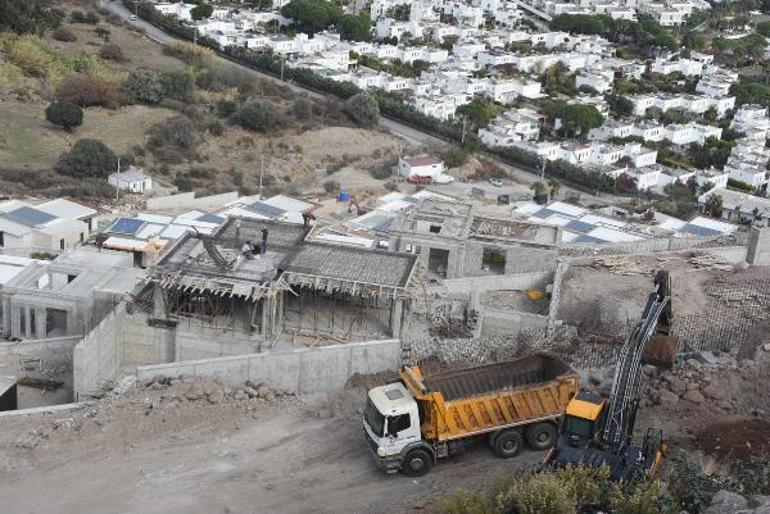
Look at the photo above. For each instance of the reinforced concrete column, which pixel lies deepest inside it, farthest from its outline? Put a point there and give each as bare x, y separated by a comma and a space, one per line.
40, 323
158, 303
396, 317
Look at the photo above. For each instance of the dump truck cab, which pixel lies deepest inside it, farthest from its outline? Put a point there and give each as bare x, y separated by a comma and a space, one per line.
392, 424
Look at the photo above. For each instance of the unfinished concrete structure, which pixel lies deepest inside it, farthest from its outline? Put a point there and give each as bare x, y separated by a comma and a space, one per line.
453, 242
65, 297
296, 291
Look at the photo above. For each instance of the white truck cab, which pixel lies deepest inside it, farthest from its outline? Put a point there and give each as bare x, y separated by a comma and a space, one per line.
392, 425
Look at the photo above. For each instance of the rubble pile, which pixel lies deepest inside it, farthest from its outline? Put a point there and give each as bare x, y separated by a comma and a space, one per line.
719, 380
725, 502
194, 390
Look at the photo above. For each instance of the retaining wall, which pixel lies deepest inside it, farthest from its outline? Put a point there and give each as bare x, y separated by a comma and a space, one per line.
502, 323
759, 247
305, 370
189, 201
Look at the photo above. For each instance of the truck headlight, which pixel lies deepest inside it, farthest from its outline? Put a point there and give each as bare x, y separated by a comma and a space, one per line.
380, 452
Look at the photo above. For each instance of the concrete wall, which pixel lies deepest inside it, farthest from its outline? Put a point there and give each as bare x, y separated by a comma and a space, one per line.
191, 345
189, 201
518, 258
759, 247
521, 281
733, 254
305, 370
98, 356
144, 344
508, 323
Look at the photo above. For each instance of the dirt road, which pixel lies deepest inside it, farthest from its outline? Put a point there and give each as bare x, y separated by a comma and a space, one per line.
293, 455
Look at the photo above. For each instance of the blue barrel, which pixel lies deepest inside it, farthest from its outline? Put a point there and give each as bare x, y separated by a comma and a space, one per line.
344, 196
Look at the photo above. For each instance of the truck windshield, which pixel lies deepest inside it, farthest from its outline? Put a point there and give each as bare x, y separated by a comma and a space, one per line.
374, 418
579, 426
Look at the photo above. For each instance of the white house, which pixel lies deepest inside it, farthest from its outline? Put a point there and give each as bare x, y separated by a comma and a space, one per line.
420, 166
133, 180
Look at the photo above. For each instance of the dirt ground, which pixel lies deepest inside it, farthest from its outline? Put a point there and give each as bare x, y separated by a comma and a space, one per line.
27, 139
606, 296
157, 452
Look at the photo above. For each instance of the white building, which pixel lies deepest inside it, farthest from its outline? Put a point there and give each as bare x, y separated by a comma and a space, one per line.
420, 166
510, 127
133, 180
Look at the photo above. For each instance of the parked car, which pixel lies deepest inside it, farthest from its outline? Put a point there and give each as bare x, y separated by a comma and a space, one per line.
496, 182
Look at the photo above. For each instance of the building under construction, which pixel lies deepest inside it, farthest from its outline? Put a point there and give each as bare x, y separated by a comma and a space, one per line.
288, 290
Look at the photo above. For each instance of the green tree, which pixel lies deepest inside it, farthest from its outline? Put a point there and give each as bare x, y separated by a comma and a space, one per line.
178, 84
714, 205
578, 119
202, 11
763, 28
143, 85
363, 110
87, 158
312, 15
476, 112
355, 27
64, 115
694, 41
257, 116
28, 16
538, 188
555, 186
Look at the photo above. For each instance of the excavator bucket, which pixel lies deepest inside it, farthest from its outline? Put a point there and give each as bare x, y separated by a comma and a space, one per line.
660, 351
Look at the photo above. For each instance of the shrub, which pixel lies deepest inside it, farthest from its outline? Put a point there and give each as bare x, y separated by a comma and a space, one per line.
64, 115
301, 109
89, 18
225, 108
454, 157
87, 158
216, 128
102, 32
382, 171
179, 85
466, 502
28, 16
538, 494
87, 91
257, 116
331, 186
363, 110
143, 85
178, 131
195, 55
64, 34
112, 52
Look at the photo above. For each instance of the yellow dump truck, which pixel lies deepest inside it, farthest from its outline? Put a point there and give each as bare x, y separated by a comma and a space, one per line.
410, 423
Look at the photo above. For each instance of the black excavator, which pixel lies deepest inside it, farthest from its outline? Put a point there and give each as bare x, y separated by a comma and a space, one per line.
597, 432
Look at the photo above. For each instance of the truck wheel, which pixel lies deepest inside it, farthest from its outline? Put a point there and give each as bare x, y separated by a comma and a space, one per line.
508, 444
417, 463
540, 436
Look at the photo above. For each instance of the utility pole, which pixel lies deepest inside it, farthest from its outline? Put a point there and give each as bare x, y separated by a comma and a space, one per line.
462, 138
283, 62
261, 172
195, 35
117, 186
542, 170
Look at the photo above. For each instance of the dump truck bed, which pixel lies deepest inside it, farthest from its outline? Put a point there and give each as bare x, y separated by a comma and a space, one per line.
488, 398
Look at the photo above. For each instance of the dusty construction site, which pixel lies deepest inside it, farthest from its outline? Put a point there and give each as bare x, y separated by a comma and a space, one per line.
203, 444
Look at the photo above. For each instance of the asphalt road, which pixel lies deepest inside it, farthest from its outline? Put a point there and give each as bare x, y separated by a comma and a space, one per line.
409, 134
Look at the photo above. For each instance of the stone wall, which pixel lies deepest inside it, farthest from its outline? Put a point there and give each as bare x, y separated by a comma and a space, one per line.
506, 323
536, 280
189, 201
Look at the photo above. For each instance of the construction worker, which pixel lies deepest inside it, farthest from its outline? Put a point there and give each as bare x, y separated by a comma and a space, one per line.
247, 251
264, 240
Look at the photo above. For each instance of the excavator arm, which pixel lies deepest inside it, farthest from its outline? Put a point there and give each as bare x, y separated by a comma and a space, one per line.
605, 437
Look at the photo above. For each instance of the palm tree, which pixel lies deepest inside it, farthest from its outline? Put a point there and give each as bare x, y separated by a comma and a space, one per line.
555, 186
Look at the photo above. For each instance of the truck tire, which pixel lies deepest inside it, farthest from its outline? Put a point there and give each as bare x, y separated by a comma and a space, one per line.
508, 444
417, 463
540, 436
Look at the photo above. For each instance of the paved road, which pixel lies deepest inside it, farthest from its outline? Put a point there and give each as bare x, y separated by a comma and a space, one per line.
410, 134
